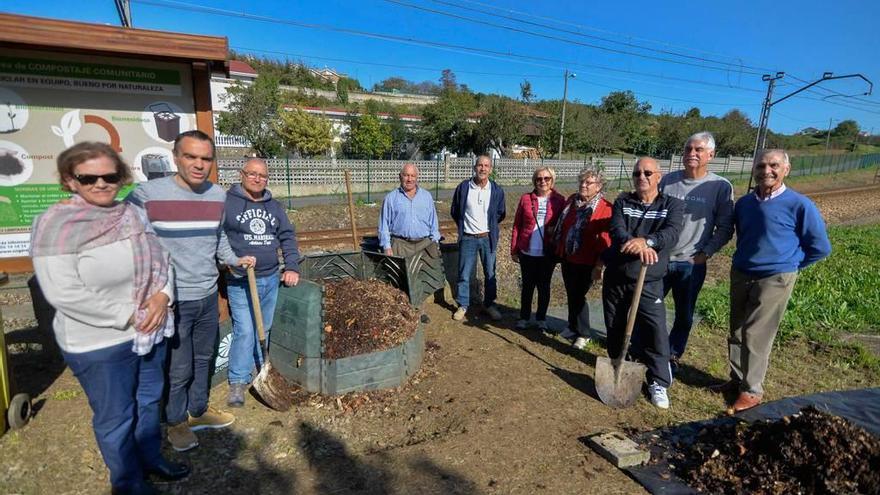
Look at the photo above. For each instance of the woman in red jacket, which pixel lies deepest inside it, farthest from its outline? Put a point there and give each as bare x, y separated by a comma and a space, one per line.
580, 237
531, 246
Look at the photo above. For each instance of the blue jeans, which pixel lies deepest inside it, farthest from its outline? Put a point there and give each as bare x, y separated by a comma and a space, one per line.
192, 350
124, 392
245, 349
468, 249
684, 279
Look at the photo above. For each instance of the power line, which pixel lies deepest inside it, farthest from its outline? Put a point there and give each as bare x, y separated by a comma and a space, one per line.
590, 28
730, 104
566, 40
481, 52
397, 66
578, 33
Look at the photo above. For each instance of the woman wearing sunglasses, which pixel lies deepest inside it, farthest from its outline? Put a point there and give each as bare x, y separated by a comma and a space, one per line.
581, 235
102, 268
530, 245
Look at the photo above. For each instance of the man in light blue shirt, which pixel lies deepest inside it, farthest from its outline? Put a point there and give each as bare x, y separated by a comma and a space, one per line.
408, 222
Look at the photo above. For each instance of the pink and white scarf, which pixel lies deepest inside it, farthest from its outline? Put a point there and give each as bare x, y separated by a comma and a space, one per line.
76, 226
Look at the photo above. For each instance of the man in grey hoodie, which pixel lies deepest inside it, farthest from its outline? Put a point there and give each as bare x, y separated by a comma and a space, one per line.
256, 225
707, 227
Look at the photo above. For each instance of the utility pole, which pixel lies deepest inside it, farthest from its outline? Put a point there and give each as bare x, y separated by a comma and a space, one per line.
761, 139
562, 123
828, 135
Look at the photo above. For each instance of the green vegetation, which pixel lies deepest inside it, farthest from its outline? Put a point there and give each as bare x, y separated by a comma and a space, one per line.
66, 394
836, 296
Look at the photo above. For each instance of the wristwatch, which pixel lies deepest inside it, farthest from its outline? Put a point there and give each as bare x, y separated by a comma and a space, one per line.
650, 242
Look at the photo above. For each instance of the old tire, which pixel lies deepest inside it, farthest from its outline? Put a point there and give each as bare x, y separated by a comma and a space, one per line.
19, 412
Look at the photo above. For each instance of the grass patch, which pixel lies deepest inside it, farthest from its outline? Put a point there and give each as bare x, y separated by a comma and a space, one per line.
838, 295
67, 394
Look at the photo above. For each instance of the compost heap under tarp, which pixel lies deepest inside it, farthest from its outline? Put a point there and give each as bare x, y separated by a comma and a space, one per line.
362, 316
832, 446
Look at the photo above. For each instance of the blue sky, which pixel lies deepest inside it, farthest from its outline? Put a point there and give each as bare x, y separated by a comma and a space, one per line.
719, 49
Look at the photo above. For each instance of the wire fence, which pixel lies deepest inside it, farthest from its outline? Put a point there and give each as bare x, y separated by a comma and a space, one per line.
299, 177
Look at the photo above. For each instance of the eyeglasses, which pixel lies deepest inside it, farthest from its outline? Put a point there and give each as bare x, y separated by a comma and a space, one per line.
543, 179
89, 179
646, 173
590, 183
255, 176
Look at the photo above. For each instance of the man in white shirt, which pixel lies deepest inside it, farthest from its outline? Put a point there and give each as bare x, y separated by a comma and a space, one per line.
477, 209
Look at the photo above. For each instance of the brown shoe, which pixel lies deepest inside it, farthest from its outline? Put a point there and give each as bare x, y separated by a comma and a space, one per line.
745, 401
728, 387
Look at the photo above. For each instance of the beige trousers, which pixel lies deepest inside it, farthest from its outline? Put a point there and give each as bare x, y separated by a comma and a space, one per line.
756, 309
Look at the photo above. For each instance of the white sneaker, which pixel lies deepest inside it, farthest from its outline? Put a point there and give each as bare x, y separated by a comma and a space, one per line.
459, 313
493, 313
581, 343
658, 395
567, 334
521, 324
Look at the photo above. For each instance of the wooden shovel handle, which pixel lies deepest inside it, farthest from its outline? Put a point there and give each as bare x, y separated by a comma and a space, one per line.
255, 300
633, 310
354, 236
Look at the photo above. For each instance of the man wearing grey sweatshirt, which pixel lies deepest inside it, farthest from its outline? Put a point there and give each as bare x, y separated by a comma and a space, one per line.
186, 211
708, 226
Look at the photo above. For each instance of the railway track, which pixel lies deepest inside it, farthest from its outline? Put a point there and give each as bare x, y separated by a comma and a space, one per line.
334, 237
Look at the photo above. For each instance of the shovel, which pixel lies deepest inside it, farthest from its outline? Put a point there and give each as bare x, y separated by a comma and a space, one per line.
270, 384
619, 382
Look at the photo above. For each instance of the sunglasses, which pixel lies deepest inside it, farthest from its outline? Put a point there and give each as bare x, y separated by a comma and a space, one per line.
89, 179
646, 173
543, 179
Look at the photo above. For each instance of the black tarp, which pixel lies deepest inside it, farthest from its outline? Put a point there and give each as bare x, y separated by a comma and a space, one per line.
861, 407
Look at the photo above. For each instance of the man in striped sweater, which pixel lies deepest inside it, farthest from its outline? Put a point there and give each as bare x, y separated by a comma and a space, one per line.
186, 211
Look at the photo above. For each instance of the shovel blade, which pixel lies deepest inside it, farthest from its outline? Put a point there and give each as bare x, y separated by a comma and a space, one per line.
619, 386
274, 389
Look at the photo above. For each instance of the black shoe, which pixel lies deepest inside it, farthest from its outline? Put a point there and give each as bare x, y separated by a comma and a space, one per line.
169, 471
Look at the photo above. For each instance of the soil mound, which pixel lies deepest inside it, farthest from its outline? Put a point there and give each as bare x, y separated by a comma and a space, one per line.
362, 316
808, 452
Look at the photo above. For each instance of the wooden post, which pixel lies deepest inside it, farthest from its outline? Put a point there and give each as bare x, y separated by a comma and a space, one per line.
354, 236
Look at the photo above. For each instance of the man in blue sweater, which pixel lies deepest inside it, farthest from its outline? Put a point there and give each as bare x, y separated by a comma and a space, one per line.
477, 208
778, 233
256, 225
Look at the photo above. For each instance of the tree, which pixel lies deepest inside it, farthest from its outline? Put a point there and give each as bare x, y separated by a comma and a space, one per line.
368, 137
445, 123
525, 91
400, 136
735, 135
500, 126
846, 129
252, 109
303, 133
629, 116
447, 80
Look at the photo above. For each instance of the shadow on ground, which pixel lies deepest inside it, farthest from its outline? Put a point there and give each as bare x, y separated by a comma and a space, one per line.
300, 457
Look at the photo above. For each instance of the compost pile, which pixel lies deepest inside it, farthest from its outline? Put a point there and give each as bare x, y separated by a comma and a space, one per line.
808, 452
362, 316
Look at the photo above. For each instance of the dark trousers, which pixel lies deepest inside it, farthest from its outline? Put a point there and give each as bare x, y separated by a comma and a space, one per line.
192, 349
124, 392
685, 280
578, 279
650, 321
537, 272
